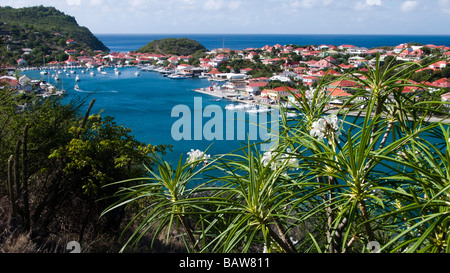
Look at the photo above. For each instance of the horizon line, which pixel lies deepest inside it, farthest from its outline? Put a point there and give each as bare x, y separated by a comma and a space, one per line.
338, 34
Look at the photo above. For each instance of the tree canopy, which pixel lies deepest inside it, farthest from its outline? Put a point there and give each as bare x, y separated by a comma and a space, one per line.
175, 46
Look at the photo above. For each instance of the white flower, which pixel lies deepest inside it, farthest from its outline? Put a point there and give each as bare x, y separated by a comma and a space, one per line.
325, 127
267, 157
318, 128
197, 155
276, 159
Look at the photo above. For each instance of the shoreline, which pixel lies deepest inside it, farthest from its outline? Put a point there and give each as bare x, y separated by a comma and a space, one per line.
232, 97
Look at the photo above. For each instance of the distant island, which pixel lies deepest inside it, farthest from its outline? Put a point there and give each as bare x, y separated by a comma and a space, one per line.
34, 32
174, 46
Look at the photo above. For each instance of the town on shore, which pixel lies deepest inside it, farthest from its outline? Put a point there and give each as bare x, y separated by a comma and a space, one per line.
253, 75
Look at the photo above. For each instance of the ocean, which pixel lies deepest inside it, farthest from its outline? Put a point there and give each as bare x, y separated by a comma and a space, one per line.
131, 42
145, 103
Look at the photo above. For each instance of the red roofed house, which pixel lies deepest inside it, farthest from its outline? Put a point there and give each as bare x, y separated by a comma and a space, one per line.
11, 81
324, 63
438, 65
339, 93
245, 70
255, 87
21, 62
173, 60
71, 61
281, 92
346, 46
344, 85
442, 83
71, 42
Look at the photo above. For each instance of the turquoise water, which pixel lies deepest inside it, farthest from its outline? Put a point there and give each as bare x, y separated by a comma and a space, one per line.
144, 103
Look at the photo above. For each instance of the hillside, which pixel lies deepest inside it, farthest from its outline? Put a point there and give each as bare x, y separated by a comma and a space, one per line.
175, 46
44, 30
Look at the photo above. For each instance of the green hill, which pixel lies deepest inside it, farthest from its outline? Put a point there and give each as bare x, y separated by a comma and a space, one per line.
175, 46
44, 30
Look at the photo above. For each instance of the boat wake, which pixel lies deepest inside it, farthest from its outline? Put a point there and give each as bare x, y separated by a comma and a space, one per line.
85, 91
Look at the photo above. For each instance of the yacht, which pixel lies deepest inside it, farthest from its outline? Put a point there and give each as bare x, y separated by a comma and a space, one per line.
77, 78
177, 76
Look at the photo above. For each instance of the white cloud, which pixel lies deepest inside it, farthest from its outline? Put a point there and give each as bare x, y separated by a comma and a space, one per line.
367, 5
74, 2
408, 6
373, 2
213, 5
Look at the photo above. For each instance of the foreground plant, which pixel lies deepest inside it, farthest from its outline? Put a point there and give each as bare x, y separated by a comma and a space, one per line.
339, 180
161, 199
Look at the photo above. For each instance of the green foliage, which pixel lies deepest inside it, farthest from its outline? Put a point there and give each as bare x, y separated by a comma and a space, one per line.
61, 163
175, 46
35, 28
105, 152
381, 174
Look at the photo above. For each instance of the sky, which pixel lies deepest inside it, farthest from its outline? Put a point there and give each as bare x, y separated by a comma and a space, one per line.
254, 16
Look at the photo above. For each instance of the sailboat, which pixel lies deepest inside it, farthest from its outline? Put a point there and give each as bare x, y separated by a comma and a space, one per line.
44, 72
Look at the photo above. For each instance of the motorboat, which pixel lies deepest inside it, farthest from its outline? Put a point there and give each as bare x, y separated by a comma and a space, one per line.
77, 78
176, 76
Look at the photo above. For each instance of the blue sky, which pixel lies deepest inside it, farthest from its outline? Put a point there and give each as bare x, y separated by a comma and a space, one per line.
255, 16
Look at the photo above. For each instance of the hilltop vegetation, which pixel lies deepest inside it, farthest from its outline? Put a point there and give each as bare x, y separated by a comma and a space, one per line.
175, 46
44, 30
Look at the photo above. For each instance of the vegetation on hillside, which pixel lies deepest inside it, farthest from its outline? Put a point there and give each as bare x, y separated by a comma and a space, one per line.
45, 31
175, 46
